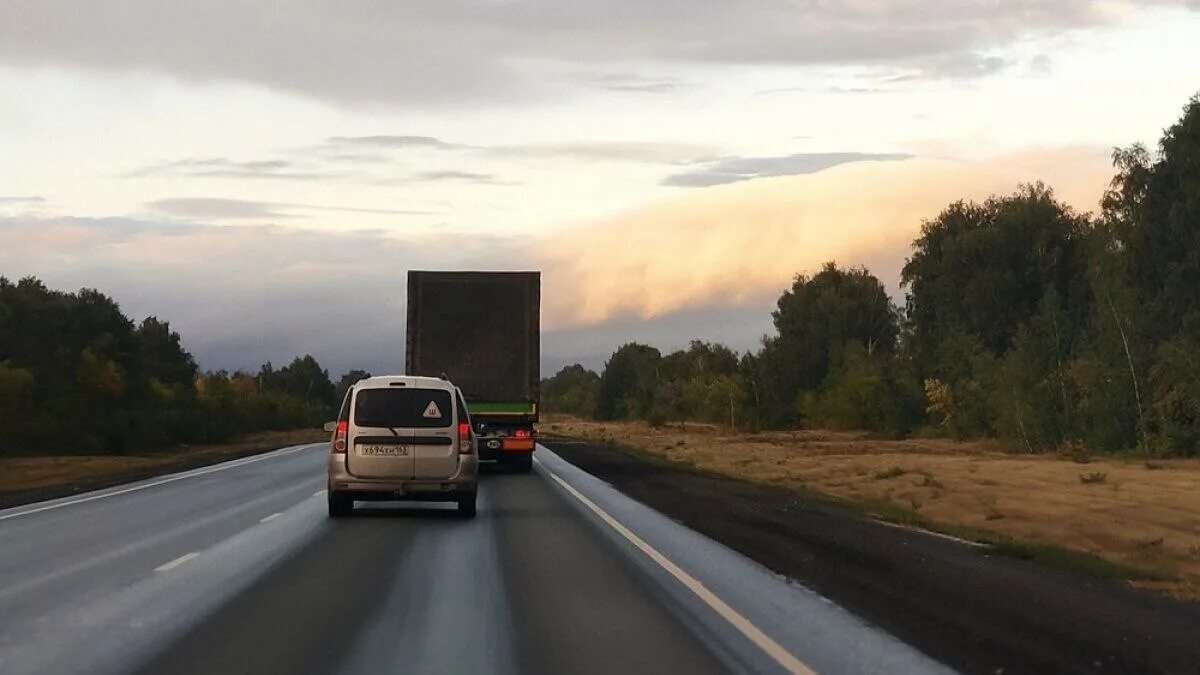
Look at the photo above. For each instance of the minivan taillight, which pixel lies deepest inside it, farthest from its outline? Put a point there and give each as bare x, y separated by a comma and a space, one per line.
339, 437
464, 438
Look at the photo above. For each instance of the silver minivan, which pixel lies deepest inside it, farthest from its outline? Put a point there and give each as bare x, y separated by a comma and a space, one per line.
399, 437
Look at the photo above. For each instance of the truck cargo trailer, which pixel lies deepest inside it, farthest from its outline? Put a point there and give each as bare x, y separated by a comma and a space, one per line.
481, 330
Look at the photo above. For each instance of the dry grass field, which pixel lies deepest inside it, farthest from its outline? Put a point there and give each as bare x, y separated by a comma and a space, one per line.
23, 474
1139, 513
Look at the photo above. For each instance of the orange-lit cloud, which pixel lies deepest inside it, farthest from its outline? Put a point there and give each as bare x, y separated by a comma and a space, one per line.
741, 243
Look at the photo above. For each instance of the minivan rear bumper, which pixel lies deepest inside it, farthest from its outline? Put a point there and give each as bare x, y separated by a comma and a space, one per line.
423, 489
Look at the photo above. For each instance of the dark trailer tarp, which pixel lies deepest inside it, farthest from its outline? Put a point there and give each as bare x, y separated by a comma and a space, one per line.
481, 329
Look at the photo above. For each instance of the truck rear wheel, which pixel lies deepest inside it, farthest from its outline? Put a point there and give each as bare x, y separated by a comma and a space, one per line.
522, 464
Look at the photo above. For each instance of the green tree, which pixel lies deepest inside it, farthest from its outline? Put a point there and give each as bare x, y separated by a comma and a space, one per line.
819, 315
162, 355
573, 390
1035, 399
1111, 368
698, 383
16, 390
303, 378
628, 382
1153, 207
866, 391
1148, 305
960, 400
1175, 395
73, 366
816, 319
347, 380
982, 270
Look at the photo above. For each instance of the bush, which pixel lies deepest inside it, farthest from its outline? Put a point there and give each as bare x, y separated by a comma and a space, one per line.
866, 392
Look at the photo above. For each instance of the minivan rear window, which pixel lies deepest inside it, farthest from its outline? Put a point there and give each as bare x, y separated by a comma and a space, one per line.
402, 407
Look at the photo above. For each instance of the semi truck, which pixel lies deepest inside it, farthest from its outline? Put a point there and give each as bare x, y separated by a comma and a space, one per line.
481, 331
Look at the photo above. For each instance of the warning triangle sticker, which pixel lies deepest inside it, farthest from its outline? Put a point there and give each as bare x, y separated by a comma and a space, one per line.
432, 411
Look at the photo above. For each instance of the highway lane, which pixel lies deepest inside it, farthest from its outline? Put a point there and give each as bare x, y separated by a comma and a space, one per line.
80, 578
234, 568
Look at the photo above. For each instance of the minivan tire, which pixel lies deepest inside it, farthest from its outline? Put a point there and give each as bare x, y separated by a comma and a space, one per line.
466, 506
340, 505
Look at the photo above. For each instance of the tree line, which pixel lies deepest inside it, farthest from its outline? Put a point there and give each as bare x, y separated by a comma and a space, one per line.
1022, 319
79, 377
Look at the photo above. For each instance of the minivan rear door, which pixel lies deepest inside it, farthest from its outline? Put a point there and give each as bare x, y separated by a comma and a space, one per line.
389, 424
436, 448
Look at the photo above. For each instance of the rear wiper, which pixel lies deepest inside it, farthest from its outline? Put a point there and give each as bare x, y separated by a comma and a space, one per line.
394, 432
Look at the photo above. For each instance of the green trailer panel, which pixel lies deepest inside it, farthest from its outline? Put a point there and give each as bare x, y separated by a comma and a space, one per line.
499, 408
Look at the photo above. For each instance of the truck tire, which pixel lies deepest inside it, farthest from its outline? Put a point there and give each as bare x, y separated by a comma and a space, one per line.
340, 505
466, 506
523, 464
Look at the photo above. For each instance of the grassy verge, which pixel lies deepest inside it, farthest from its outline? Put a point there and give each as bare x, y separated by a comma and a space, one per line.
28, 479
1137, 525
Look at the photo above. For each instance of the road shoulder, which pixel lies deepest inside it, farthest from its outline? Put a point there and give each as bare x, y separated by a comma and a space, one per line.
730, 599
973, 610
27, 480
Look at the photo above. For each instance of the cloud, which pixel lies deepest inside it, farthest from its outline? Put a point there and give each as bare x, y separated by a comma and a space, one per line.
216, 208
894, 76
629, 83
631, 151
384, 151
372, 171
467, 176
222, 167
22, 200
241, 295
305, 281
393, 142
443, 52
834, 89
733, 169
637, 151
709, 264
1042, 65
740, 327
740, 244
958, 66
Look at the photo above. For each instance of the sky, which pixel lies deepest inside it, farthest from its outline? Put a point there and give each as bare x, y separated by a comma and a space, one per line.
262, 175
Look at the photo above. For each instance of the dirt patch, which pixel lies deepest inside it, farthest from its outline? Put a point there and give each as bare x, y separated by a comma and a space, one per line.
29, 479
972, 608
1135, 513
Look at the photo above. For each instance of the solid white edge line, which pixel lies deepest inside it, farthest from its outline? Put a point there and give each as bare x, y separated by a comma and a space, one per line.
271, 517
318, 493
940, 535
763, 641
191, 474
176, 562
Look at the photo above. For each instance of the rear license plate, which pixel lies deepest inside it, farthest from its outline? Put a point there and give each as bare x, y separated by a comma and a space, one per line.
382, 450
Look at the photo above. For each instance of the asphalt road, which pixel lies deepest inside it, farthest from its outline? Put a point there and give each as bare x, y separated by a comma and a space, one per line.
235, 568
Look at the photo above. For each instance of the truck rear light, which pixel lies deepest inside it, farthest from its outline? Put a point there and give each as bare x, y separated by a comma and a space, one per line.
464, 438
339, 437
521, 433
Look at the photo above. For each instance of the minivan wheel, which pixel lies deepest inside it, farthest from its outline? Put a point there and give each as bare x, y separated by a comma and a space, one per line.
340, 505
466, 506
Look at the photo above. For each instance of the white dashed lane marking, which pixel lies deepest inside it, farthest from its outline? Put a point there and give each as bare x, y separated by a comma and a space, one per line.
176, 562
